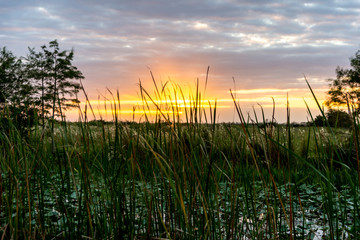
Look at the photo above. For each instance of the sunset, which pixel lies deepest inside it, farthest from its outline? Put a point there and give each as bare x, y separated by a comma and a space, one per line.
194, 120
250, 100
260, 45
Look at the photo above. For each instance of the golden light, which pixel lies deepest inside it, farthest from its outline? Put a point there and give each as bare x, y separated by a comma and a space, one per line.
175, 101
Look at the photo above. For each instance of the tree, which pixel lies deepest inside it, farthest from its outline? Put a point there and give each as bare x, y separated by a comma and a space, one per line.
37, 66
55, 78
10, 77
345, 89
7, 62
335, 118
338, 118
44, 82
319, 121
15, 91
61, 77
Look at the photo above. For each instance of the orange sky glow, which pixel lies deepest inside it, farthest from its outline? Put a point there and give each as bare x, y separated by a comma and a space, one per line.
172, 102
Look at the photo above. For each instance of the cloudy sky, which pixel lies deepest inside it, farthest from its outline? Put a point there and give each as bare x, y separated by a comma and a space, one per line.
266, 46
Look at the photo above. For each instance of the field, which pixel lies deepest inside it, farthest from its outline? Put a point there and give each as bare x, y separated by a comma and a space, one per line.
172, 179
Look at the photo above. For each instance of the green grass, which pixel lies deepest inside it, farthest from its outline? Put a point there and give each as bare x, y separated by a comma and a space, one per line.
172, 179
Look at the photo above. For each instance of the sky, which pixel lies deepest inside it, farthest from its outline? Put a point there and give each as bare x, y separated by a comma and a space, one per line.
259, 49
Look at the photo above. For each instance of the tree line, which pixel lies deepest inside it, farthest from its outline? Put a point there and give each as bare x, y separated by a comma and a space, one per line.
40, 85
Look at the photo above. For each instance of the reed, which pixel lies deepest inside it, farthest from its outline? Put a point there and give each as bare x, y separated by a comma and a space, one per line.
174, 178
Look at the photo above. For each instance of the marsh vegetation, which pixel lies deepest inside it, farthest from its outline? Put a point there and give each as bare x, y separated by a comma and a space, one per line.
174, 177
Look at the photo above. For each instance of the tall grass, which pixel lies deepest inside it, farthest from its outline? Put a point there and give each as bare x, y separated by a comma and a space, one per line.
174, 178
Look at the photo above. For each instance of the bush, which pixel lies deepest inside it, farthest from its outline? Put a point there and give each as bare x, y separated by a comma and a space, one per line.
338, 118
22, 118
335, 118
319, 121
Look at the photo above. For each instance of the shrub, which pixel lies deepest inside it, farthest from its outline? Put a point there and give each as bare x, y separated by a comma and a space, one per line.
335, 118
338, 118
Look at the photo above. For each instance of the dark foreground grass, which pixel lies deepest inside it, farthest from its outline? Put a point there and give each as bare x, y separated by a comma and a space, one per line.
172, 179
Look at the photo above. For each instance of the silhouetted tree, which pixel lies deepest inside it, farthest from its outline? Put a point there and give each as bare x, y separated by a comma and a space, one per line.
7, 74
335, 118
338, 118
44, 82
61, 78
37, 70
345, 89
10, 77
16, 92
319, 121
